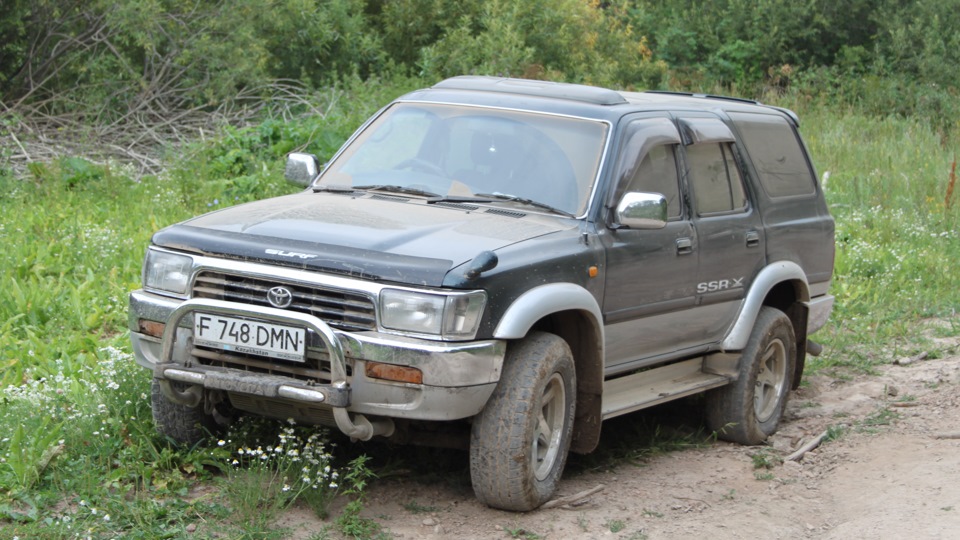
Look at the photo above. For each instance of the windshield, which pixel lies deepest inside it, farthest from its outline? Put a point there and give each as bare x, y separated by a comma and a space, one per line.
458, 151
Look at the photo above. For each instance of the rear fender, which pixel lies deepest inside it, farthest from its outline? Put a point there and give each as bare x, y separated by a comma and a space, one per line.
766, 280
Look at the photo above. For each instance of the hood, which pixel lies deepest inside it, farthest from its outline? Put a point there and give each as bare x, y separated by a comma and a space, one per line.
371, 236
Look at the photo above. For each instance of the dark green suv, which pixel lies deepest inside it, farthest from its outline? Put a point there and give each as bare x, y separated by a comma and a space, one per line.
502, 264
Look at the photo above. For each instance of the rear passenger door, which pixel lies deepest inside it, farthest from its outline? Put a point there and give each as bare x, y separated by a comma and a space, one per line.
727, 223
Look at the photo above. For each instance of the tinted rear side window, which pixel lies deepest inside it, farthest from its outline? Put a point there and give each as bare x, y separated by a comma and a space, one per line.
776, 152
717, 185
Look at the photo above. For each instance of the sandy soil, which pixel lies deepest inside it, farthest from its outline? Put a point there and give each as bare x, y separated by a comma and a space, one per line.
892, 473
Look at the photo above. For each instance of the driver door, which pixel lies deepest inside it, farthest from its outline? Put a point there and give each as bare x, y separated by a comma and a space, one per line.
651, 274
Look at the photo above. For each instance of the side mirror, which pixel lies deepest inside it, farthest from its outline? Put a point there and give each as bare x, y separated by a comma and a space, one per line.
301, 168
638, 210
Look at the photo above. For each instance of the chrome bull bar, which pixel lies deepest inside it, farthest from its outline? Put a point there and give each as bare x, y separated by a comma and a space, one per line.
336, 394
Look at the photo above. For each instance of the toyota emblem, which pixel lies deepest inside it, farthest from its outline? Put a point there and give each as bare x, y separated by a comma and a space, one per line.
280, 297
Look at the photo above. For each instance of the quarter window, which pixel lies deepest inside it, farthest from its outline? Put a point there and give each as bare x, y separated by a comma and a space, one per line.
775, 150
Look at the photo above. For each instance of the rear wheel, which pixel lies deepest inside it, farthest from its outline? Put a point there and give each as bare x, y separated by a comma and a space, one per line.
748, 410
519, 442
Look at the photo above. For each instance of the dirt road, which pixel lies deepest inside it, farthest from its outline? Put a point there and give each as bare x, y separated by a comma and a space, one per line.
892, 471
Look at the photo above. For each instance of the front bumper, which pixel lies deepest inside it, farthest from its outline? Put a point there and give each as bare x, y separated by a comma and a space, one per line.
458, 378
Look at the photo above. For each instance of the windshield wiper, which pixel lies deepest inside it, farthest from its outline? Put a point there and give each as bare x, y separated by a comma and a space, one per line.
528, 202
398, 189
333, 189
461, 199
436, 197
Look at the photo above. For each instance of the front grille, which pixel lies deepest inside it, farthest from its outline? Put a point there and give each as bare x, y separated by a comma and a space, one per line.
340, 309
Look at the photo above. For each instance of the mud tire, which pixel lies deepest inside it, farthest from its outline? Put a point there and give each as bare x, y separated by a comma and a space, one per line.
185, 425
519, 442
749, 409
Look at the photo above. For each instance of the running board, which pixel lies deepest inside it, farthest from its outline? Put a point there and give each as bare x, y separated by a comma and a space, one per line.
655, 386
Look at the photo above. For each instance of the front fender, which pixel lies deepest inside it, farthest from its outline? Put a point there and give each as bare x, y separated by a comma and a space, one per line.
580, 322
544, 300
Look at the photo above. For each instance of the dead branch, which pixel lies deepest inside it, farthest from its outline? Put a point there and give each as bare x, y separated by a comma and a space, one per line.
705, 503
947, 435
904, 404
912, 359
573, 500
810, 445
950, 183
157, 119
22, 149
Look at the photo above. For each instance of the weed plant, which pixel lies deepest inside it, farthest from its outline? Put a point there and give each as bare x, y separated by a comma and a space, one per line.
263, 481
350, 522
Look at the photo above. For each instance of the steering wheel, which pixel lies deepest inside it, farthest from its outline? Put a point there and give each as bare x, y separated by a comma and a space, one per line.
421, 165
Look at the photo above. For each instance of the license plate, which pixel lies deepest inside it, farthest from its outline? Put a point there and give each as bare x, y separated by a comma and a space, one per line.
250, 337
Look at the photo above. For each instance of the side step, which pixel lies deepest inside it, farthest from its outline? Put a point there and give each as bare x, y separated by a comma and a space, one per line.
655, 386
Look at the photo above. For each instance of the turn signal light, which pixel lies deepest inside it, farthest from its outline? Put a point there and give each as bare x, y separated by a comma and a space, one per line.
151, 328
391, 372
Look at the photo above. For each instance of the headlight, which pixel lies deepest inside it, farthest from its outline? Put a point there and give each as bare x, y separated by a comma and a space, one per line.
451, 316
167, 272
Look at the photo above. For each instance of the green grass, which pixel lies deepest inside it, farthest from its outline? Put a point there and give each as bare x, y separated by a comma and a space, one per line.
898, 238
415, 507
78, 451
615, 525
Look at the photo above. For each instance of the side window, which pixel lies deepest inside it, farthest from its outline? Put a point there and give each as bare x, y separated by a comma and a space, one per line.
648, 162
657, 173
774, 147
715, 178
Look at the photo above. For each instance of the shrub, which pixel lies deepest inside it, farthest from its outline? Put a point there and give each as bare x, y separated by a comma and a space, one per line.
560, 40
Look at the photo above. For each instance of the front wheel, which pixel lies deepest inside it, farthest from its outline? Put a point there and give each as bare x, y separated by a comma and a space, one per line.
185, 425
749, 409
519, 442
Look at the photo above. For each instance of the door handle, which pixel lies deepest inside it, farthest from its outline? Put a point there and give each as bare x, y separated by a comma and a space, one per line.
753, 239
684, 246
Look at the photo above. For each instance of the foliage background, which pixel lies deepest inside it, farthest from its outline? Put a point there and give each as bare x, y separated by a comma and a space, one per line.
105, 59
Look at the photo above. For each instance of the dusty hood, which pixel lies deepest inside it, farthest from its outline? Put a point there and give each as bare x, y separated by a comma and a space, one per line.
370, 236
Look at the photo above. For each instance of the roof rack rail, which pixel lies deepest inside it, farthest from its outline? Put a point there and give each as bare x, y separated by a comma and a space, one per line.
572, 92
707, 96
792, 115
